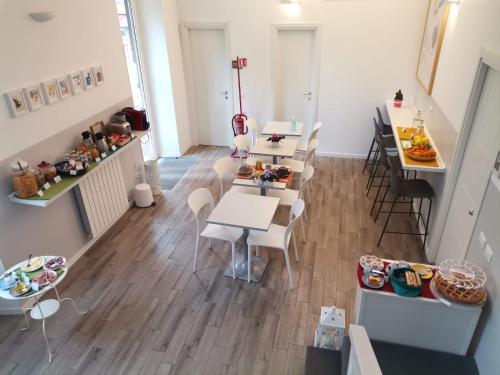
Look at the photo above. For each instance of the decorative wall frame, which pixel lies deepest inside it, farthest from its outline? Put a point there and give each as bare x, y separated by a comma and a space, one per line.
75, 82
98, 75
435, 26
63, 87
50, 91
98, 127
33, 97
17, 103
88, 79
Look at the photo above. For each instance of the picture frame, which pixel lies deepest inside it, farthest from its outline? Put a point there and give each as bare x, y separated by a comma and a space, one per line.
63, 87
75, 82
88, 79
435, 26
33, 97
16, 103
98, 127
98, 75
50, 91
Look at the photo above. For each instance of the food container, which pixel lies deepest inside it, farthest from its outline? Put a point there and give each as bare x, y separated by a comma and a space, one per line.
401, 287
102, 146
47, 170
24, 181
94, 152
40, 178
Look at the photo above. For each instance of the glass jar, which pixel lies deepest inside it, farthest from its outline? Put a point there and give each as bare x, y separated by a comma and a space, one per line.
23, 180
47, 170
40, 178
102, 146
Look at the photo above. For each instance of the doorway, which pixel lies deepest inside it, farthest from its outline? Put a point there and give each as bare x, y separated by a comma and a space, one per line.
479, 155
295, 72
206, 51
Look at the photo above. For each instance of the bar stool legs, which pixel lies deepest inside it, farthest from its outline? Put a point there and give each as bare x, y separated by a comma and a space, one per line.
368, 156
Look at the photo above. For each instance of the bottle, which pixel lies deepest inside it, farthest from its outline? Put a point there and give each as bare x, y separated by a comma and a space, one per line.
293, 126
102, 146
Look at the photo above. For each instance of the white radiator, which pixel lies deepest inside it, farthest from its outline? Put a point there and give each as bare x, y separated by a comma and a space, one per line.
102, 197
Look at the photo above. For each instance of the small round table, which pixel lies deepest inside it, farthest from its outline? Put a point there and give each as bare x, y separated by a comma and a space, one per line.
41, 310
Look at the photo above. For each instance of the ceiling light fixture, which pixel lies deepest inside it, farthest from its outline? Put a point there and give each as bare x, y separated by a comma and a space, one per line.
44, 16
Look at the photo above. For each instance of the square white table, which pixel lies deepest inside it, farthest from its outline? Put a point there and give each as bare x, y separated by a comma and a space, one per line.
286, 148
283, 128
247, 212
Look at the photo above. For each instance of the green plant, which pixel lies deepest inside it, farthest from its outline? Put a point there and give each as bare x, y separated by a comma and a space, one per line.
399, 95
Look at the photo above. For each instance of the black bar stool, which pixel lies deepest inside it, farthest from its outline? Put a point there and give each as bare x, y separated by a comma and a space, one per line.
386, 130
388, 144
408, 188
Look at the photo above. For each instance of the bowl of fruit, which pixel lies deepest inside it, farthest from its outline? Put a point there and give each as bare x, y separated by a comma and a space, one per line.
421, 153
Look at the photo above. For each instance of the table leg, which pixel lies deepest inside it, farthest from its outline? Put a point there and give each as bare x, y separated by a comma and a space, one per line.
71, 300
258, 265
26, 319
275, 159
263, 192
43, 329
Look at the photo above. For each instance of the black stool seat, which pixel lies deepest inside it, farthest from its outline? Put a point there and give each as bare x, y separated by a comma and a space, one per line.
389, 142
416, 188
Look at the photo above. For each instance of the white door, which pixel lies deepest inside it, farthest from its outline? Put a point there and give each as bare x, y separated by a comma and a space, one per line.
211, 85
481, 151
294, 75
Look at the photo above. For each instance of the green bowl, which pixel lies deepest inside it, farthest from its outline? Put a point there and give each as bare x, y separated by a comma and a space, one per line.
398, 282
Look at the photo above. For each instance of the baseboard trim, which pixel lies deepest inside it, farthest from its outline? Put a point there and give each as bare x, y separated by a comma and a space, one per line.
340, 155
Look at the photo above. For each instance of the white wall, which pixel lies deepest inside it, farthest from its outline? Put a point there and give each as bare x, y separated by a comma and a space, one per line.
369, 49
83, 33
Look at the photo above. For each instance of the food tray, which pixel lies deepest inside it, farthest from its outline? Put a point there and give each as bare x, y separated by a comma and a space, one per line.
420, 158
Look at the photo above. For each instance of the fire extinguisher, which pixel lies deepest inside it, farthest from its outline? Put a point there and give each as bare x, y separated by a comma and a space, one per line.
239, 124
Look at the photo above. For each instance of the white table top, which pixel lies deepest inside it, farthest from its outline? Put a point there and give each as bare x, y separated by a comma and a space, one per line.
286, 148
403, 117
244, 211
283, 128
253, 183
6, 295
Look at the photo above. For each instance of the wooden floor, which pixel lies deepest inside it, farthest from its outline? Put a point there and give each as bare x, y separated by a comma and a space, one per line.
149, 314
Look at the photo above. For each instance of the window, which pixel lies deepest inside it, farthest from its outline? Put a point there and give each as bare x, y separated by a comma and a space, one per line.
131, 52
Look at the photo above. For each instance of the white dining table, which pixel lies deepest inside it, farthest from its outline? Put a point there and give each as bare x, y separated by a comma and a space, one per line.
249, 212
286, 148
283, 128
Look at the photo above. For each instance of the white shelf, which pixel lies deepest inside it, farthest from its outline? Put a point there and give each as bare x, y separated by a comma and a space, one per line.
45, 203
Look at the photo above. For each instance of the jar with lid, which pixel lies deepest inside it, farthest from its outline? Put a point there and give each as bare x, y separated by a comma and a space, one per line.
102, 146
48, 170
40, 178
23, 179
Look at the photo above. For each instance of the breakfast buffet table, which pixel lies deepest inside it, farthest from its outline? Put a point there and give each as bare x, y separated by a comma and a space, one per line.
427, 321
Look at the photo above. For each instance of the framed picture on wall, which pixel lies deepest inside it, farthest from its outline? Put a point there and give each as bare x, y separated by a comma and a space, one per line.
16, 102
98, 75
33, 97
63, 87
435, 26
50, 92
75, 82
88, 79
98, 127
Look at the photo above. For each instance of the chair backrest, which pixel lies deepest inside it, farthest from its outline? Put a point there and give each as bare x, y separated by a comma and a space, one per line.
242, 145
305, 177
378, 133
253, 129
311, 149
381, 123
295, 212
197, 200
396, 175
315, 131
223, 167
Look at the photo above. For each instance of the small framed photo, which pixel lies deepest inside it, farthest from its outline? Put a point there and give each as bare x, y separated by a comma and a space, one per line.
98, 127
75, 82
33, 97
17, 103
98, 75
63, 87
88, 79
50, 92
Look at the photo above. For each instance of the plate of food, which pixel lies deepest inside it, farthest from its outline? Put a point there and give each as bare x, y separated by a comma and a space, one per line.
45, 277
32, 264
8, 280
55, 263
19, 289
421, 153
373, 280
371, 262
424, 271
245, 170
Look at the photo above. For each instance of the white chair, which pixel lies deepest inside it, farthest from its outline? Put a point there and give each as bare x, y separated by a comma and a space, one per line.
253, 129
223, 167
196, 201
278, 237
299, 165
304, 145
243, 147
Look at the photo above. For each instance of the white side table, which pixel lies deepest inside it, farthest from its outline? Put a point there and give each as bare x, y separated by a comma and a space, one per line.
41, 310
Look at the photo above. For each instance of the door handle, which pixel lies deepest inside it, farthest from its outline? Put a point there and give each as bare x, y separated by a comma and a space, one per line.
471, 212
308, 94
226, 93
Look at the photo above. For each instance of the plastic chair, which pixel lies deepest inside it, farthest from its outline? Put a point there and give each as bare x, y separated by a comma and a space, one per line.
223, 167
278, 237
304, 145
196, 201
299, 165
253, 129
243, 147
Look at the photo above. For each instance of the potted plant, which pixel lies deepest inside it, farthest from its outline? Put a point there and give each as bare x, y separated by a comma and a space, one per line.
275, 139
398, 99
